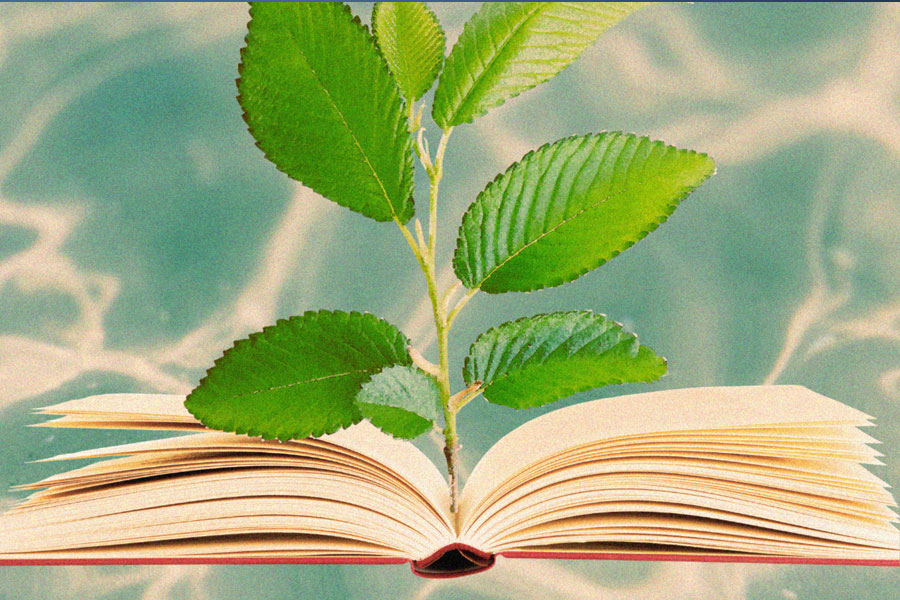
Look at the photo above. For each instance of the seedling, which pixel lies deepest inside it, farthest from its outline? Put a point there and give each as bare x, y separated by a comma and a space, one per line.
339, 110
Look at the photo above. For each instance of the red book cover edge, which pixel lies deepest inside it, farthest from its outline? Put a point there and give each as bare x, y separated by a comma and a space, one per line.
480, 561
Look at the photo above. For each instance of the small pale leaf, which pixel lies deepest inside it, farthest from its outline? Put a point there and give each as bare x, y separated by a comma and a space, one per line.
299, 377
540, 359
412, 42
322, 105
401, 400
569, 207
509, 47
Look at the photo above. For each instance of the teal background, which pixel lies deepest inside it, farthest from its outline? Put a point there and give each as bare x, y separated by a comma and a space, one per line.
141, 232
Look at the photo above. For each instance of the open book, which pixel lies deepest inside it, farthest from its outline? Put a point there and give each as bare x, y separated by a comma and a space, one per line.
762, 474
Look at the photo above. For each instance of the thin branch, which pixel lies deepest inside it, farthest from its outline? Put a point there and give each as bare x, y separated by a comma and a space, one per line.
419, 115
422, 152
459, 306
442, 148
448, 293
463, 397
412, 244
414, 118
420, 236
436, 173
423, 363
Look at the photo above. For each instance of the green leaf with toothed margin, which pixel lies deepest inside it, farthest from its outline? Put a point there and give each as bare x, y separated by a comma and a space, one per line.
568, 207
412, 42
401, 400
322, 105
299, 377
541, 359
509, 47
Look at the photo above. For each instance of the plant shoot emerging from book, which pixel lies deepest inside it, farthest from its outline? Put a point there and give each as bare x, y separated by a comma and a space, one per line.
339, 110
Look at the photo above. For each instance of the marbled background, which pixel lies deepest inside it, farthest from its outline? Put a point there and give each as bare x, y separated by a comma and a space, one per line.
141, 232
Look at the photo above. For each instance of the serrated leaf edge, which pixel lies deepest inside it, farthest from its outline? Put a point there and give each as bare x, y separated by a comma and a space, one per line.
356, 400
558, 281
408, 154
628, 337
392, 434
230, 426
470, 24
437, 68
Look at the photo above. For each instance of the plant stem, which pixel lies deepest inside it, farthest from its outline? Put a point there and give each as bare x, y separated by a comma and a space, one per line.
412, 244
451, 439
425, 255
451, 454
437, 172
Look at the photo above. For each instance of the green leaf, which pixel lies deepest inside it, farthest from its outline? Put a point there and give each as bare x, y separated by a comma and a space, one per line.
322, 105
412, 42
540, 359
297, 378
403, 401
509, 47
569, 207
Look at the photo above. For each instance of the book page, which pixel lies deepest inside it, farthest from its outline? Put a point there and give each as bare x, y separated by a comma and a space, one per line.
692, 409
358, 486
780, 462
212, 504
167, 412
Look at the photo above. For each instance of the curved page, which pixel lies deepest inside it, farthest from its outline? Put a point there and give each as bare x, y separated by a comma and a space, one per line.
692, 409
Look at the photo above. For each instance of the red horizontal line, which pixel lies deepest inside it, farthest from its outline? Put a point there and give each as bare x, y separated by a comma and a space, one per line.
721, 558
343, 560
250, 560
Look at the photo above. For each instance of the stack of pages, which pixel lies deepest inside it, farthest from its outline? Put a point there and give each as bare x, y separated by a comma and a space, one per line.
766, 473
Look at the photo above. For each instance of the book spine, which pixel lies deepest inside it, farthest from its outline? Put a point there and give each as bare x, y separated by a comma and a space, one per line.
453, 560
